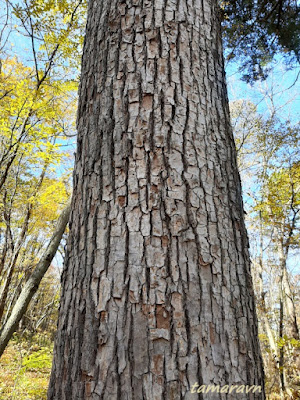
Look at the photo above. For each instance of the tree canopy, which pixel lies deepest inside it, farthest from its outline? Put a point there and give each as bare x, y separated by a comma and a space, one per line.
255, 31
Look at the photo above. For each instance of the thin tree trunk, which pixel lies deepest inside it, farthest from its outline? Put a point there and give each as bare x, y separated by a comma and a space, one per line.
19, 244
263, 315
4, 252
156, 289
281, 350
12, 299
11, 267
263, 312
288, 318
33, 282
287, 295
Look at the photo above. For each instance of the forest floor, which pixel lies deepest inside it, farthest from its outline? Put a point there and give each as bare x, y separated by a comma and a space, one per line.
25, 369
25, 372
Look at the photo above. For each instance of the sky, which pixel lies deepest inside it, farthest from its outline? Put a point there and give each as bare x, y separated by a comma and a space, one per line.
282, 85
280, 92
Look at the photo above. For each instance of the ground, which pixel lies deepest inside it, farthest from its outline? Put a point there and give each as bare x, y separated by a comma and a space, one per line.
25, 372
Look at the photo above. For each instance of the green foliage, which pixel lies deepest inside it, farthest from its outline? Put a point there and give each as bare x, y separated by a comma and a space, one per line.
40, 360
280, 206
255, 31
287, 341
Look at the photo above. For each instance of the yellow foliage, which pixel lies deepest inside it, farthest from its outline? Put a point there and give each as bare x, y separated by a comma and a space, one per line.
282, 198
32, 119
49, 203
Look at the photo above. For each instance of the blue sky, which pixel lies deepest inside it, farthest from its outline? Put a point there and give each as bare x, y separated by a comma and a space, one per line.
282, 84
281, 91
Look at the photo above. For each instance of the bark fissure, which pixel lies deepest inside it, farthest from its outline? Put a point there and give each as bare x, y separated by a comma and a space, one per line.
170, 300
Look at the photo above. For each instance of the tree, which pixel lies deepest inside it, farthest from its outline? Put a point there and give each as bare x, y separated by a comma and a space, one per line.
33, 282
279, 212
156, 288
268, 158
37, 115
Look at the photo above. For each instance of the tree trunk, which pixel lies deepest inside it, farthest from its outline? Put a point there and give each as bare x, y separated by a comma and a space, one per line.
13, 261
292, 328
156, 289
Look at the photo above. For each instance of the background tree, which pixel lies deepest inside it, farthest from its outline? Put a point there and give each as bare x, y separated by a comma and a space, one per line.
37, 108
269, 161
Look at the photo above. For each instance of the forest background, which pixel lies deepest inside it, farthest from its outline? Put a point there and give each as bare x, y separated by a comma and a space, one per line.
40, 52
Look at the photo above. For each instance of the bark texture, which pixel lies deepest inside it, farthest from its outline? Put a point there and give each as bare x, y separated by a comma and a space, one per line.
157, 293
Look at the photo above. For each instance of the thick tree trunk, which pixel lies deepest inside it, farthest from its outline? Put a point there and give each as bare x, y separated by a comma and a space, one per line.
156, 289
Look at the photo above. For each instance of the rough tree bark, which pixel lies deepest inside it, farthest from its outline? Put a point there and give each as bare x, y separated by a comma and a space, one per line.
156, 289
